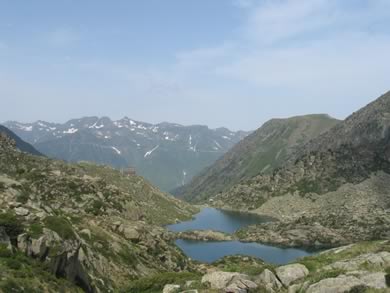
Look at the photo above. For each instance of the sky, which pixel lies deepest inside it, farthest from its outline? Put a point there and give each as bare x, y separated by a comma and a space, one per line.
232, 63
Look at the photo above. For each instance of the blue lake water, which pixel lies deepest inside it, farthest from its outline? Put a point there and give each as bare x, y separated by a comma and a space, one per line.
218, 220
224, 221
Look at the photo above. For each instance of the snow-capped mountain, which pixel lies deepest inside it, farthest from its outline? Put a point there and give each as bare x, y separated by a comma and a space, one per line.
167, 154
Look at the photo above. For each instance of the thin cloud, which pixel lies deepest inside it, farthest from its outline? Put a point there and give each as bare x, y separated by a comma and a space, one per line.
63, 37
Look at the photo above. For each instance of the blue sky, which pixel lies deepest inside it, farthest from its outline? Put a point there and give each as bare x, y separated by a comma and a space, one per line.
234, 63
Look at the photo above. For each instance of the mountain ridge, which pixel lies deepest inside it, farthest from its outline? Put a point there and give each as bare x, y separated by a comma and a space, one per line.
176, 151
260, 152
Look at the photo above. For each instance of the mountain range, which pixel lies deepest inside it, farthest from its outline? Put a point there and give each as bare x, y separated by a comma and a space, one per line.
339, 180
166, 154
20, 144
259, 153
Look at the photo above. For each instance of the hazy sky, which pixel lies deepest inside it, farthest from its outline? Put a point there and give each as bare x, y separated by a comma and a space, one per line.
234, 63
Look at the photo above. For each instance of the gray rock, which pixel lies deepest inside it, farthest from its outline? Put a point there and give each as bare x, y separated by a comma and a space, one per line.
4, 238
86, 232
22, 211
24, 243
291, 273
222, 280
171, 288
269, 280
131, 233
240, 285
380, 259
374, 280
340, 284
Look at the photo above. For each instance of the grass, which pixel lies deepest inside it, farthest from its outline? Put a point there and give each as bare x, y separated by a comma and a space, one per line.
61, 226
12, 225
156, 283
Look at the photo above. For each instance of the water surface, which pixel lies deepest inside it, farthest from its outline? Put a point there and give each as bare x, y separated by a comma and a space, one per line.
211, 251
218, 220
229, 222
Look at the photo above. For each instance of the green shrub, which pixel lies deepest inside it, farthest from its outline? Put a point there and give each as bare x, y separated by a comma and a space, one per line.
96, 207
35, 230
13, 264
11, 286
23, 197
4, 251
12, 225
157, 282
61, 226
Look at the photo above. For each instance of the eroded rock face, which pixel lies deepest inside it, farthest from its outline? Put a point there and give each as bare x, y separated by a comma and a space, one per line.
171, 288
291, 273
340, 284
269, 280
230, 282
4, 238
204, 235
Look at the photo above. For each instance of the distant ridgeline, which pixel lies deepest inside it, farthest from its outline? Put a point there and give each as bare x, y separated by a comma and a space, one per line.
19, 143
259, 153
167, 154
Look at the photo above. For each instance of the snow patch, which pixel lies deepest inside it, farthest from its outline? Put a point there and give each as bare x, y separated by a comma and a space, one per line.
116, 150
151, 151
25, 128
70, 131
217, 144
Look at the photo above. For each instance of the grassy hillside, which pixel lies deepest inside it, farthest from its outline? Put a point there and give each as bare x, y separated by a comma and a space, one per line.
259, 153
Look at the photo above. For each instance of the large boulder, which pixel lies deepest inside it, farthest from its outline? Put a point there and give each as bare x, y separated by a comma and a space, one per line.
230, 282
374, 280
131, 233
341, 284
380, 259
290, 273
268, 280
171, 288
4, 238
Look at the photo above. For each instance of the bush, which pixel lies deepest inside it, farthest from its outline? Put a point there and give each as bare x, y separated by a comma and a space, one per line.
61, 226
4, 251
96, 207
23, 197
157, 282
35, 230
13, 264
10, 285
387, 277
12, 225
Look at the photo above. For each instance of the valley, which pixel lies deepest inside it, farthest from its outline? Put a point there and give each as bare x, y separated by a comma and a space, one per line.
166, 154
316, 221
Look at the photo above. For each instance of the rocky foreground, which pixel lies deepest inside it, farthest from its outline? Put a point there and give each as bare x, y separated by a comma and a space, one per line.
363, 267
81, 227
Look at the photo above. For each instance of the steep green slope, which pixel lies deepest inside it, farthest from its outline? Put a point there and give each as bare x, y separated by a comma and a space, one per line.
259, 153
20, 144
89, 225
166, 154
340, 181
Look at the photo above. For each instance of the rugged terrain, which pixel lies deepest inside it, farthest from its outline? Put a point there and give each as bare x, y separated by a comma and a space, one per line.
333, 190
19, 143
166, 154
362, 268
259, 153
90, 226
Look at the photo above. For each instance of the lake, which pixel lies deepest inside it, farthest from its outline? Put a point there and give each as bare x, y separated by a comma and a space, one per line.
229, 222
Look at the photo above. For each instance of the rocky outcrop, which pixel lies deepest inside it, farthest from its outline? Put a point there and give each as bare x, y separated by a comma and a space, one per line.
204, 235
291, 273
336, 285
90, 225
269, 281
230, 282
331, 191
